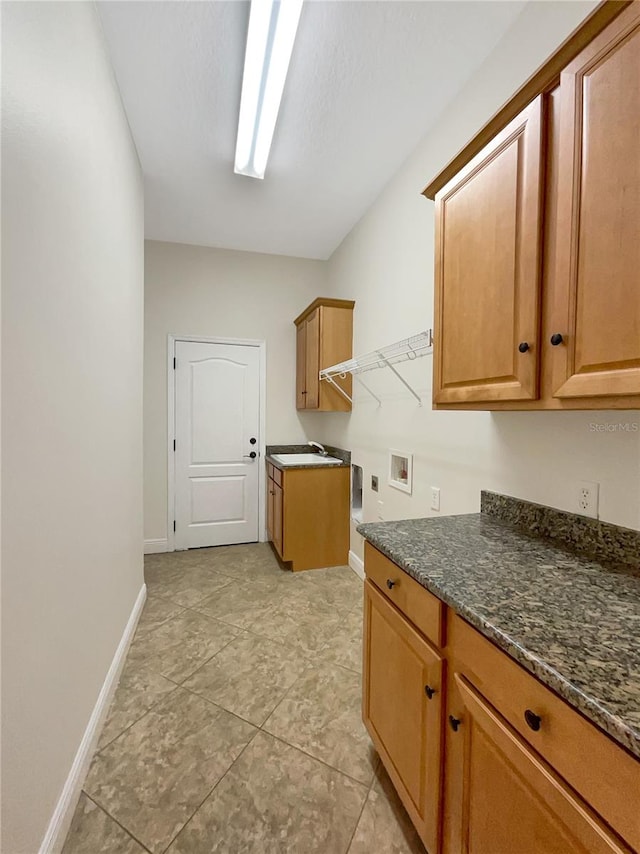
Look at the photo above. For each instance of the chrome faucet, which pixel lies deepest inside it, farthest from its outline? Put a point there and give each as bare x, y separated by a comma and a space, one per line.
319, 447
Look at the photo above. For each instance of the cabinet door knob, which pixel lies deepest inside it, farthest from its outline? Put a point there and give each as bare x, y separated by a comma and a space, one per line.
523, 347
533, 720
454, 723
390, 584
556, 339
429, 691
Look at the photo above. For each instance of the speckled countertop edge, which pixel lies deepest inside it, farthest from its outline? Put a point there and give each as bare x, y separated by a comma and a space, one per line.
625, 733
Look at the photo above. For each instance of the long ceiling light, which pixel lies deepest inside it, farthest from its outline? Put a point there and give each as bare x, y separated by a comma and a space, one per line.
272, 31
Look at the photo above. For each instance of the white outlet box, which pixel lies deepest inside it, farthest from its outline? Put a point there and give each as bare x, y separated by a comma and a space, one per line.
587, 498
435, 498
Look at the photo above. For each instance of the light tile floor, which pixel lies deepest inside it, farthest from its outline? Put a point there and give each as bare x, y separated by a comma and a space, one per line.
236, 724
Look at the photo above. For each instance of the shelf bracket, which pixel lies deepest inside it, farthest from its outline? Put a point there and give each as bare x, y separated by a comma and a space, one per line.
337, 387
402, 379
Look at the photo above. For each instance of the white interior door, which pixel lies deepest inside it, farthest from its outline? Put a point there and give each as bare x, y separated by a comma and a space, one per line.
217, 415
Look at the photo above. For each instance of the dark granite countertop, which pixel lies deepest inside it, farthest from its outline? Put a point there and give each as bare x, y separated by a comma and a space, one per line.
571, 620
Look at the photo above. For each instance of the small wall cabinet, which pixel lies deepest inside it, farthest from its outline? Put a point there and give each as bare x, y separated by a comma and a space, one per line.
324, 337
308, 515
484, 757
537, 289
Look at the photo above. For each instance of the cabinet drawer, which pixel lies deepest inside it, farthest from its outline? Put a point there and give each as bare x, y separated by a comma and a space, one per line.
424, 609
602, 772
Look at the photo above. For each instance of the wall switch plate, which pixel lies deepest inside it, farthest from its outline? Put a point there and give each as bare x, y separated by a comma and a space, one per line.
435, 498
587, 498
374, 482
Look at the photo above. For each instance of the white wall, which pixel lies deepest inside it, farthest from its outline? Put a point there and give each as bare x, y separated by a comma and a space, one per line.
193, 290
72, 313
386, 265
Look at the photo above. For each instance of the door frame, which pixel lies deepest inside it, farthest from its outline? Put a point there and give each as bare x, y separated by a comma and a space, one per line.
261, 344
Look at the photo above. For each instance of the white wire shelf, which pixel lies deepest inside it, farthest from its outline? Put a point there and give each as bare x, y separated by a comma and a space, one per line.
386, 357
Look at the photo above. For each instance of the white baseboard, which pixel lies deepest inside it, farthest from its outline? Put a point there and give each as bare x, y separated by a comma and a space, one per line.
62, 815
356, 564
152, 547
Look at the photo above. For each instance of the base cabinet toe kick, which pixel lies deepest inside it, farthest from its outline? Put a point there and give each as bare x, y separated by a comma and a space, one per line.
485, 757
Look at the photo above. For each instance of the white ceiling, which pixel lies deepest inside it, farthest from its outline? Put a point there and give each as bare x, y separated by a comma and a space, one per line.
366, 81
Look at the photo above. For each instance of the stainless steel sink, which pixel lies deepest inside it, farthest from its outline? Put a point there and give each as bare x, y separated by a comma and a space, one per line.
305, 459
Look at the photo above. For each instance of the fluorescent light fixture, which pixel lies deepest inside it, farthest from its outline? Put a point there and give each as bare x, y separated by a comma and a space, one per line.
272, 31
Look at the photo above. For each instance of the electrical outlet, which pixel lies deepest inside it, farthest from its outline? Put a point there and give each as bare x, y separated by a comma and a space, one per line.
588, 498
374, 482
435, 498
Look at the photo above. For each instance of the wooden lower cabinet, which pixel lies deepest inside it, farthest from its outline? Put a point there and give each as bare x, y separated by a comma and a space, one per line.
308, 515
402, 709
485, 758
501, 796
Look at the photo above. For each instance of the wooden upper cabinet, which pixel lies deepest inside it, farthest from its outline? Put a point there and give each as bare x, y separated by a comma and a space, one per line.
501, 797
488, 226
301, 364
324, 333
537, 268
312, 360
596, 282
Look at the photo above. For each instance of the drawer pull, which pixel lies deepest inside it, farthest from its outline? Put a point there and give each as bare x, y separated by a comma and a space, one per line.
523, 347
533, 720
429, 691
454, 723
390, 584
556, 339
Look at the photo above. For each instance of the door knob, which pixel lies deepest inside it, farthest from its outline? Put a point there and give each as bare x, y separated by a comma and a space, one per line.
252, 455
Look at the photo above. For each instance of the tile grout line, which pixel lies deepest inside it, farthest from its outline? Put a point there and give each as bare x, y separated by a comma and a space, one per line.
115, 820
360, 814
208, 795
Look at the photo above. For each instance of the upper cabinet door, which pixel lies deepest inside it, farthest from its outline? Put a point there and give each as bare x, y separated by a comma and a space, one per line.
312, 383
488, 227
301, 363
596, 305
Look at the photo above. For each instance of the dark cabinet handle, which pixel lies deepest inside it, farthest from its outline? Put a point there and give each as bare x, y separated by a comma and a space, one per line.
390, 584
429, 691
556, 339
523, 347
533, 720
454, 723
